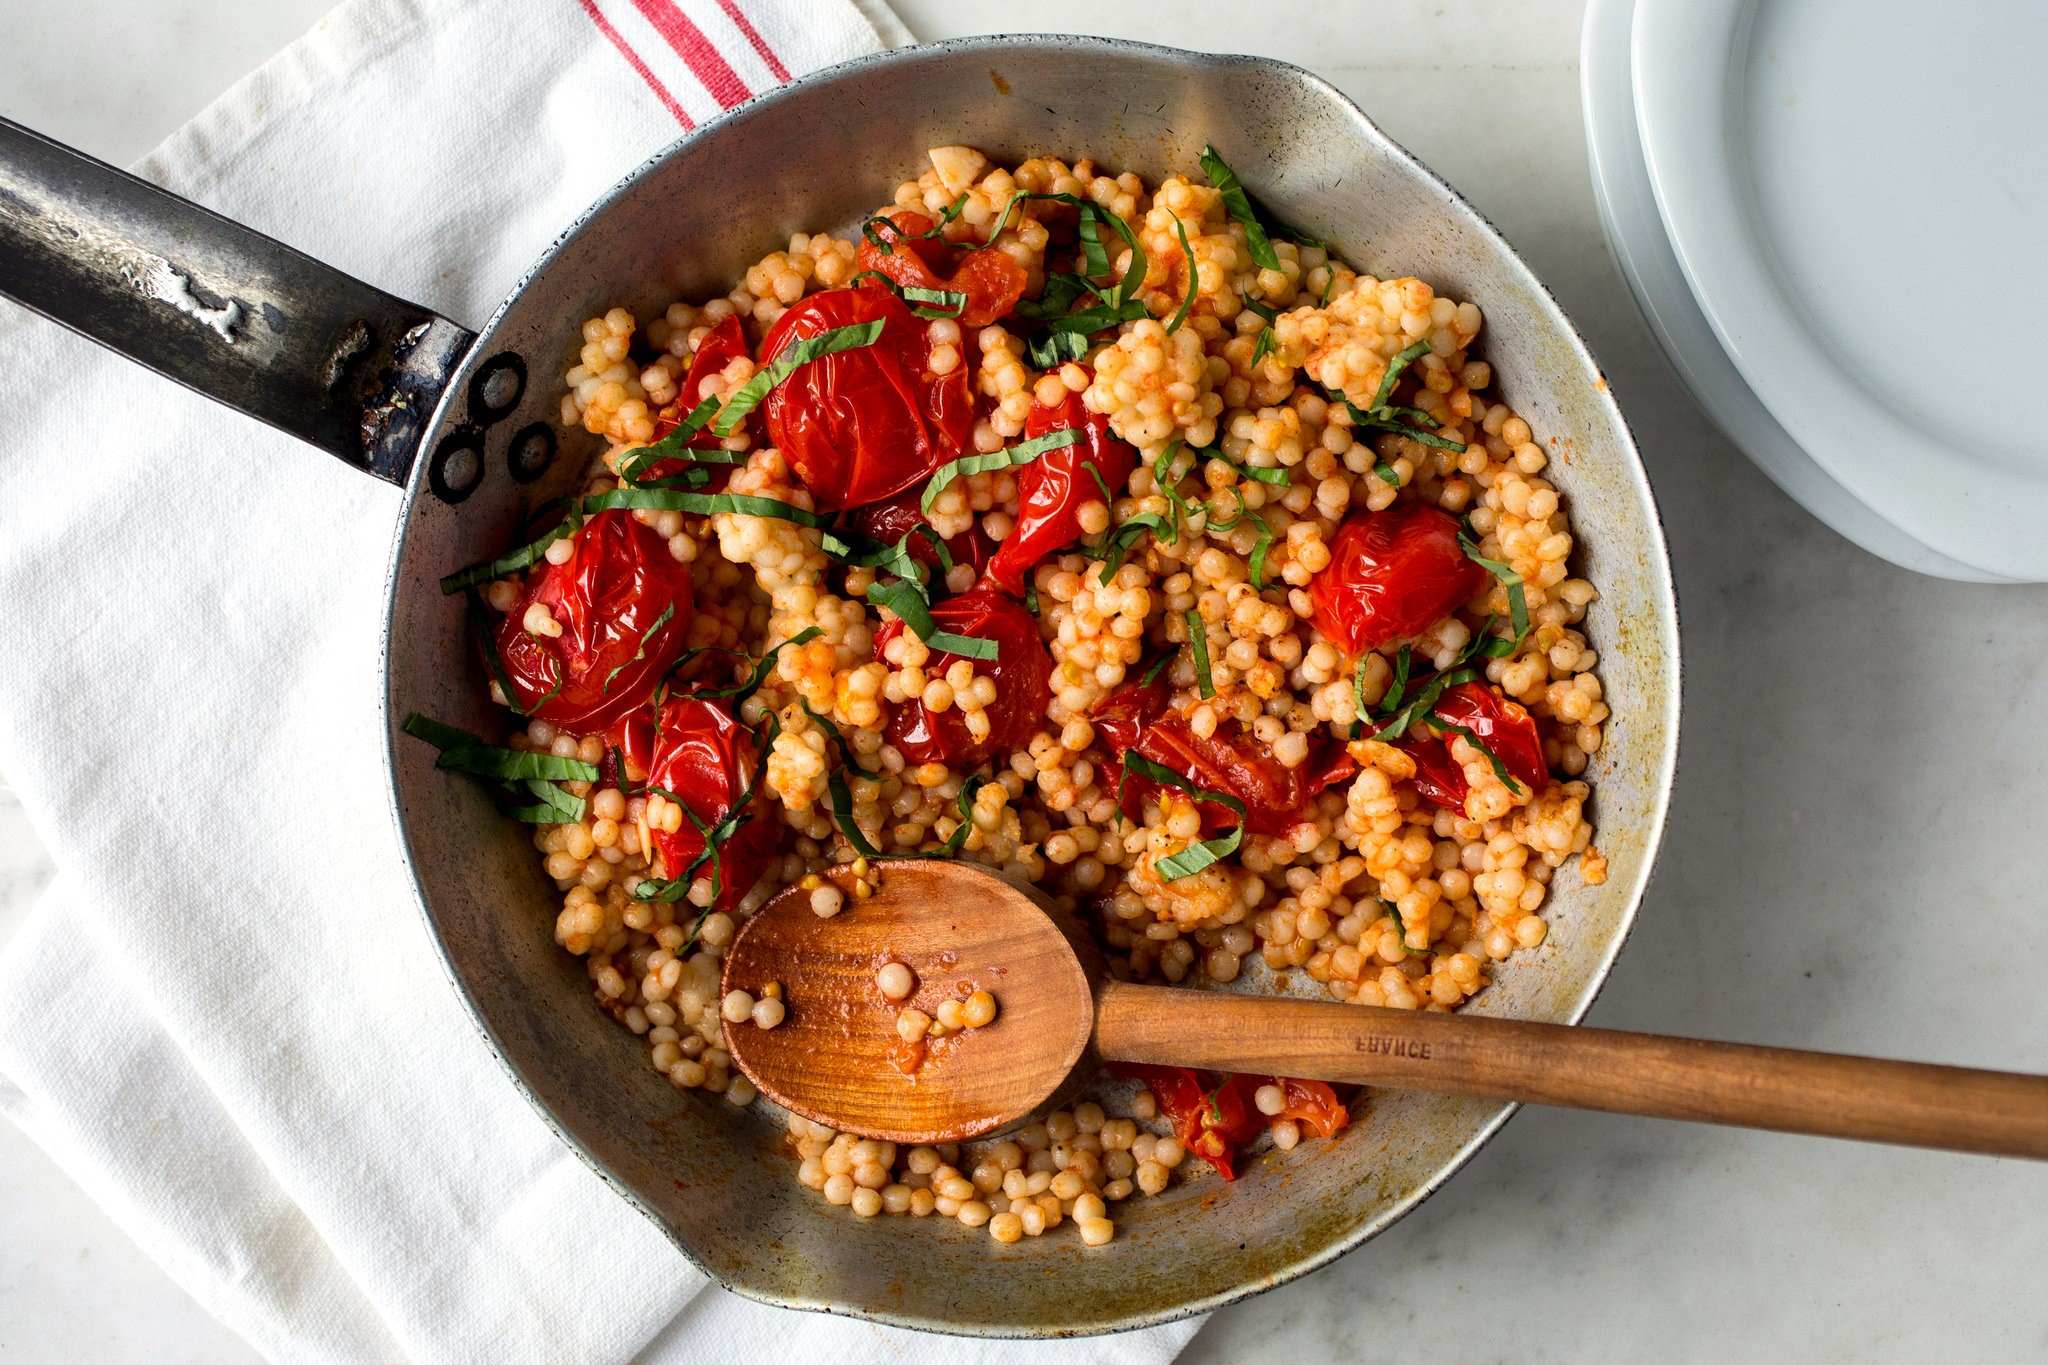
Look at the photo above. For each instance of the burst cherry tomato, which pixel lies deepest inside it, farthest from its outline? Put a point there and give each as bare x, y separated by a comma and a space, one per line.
1214, 1121
892, 520
858, 426
1504, 727
1051, 489
722, 345
1312, 1104
707, 759
616, 642
1230, 761
991, 280
1022, 671
1392, 575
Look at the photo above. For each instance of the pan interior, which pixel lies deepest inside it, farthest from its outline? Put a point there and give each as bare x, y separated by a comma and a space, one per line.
824, 152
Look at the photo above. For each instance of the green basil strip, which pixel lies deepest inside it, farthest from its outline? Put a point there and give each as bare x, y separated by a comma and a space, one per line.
1500, 769
1358, 694
1518, 596
1031, 595
1050, 350
1395, 366
1388, 475
1239, 206
479, 619
1062, 290
543, 812
1425, 698
802, 353
1009, 457
1264, 346
906, 598
1329, 283
764, 665
463, 752
1094, 256
933, 304
887, 247
1194, 857
1400, 927
1194, 279
668, 614
840, 799
1198, 645
1089, 321
1404, 660
658, 499
1264, 310
832, 732
1153, 672
675, 445
1273, 474
677, 887
1116, 547
569, 808
1162, 475
1255, 567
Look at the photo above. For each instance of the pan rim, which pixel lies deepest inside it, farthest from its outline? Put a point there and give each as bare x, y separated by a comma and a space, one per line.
1655, 551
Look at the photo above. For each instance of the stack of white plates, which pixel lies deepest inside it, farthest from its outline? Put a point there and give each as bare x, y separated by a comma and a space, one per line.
1834, 214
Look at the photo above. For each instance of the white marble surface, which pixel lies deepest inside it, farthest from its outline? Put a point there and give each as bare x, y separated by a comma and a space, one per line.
1856, 859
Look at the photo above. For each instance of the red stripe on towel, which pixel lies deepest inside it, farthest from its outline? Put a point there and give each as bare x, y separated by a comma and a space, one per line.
632, 58
753, 36
696, 50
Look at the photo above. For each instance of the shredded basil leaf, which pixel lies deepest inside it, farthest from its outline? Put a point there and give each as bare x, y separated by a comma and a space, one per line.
1500, 769
715, 836
1518, 597
465, 753
1400, 926
1239, 206
668, 614
1031, 595
906, 598
764, 665
751, 393
675, 445
1387, 474
1091, 320
1358, 694
1115, 547
1158, 664
1162, 475
1404, 660
1062, 290
932, 304
494, 663
1425, 699
1194, 279
1009, 457
1198, 645
1050, 350
887, 245
1194, 857
1264, 346
1380, 415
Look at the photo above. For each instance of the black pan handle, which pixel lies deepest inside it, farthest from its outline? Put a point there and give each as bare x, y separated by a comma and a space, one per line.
245, 320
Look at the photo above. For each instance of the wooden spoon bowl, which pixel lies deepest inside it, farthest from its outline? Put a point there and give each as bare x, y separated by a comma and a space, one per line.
837, 1058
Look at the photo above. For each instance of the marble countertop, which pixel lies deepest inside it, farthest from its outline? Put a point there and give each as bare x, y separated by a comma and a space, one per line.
1856, 856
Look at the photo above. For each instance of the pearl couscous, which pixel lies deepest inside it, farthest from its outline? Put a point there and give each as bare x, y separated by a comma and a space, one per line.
1079, 527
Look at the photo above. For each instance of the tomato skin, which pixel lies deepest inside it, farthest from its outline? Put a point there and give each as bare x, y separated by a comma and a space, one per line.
706, 757
862, 425
606, 598
1312, 1104
723, 344
1504, 726
1392, 575
1215, 1122
991, 280
1051, 489
892, 520
1230, 761
1023, 676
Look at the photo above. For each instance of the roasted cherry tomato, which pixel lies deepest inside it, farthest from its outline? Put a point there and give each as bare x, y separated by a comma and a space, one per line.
892, 520
1051, 489
723, 344
1312, 1104
1505, 727
616, 642
991, 281
1022, 671
859, 426
707, 760
1230, 761
628, 751
1215, 1120
1392, 575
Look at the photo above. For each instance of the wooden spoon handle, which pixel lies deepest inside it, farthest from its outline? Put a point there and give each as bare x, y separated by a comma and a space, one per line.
1913, 1103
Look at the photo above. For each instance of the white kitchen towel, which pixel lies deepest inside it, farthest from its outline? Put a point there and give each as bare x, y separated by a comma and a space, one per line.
225, 1019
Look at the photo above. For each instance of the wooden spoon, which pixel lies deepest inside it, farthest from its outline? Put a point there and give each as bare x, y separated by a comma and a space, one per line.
837, 1058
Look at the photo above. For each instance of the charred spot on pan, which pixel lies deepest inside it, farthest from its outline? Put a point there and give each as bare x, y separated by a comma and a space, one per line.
496, 387
457, 467
531, 452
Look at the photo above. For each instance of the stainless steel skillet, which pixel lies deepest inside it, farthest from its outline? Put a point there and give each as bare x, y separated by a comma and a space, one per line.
465, 421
